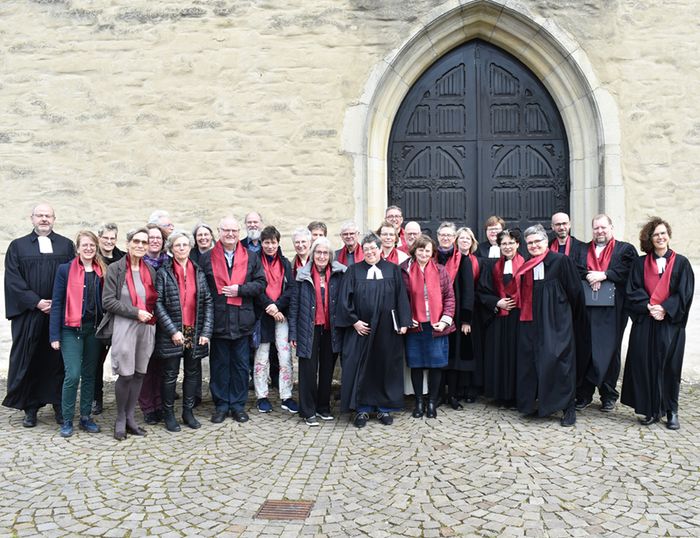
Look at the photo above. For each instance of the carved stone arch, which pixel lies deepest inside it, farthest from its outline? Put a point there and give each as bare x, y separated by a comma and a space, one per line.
589, 113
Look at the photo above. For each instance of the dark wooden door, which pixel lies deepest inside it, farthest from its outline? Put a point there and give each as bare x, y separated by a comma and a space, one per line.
478, 135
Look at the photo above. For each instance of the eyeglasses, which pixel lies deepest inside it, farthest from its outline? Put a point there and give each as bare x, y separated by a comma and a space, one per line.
229, 230
446, 235
387, 234
139, 241
534, 242
322, 253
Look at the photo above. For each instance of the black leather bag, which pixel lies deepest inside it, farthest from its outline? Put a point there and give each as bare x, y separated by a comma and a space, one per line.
605, 296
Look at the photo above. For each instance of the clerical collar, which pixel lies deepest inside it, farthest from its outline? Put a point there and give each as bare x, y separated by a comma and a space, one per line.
508, 267
45, 244
661, 264
538, 271
494, 251
374, 273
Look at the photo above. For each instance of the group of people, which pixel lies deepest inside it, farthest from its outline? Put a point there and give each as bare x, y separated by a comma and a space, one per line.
527, 321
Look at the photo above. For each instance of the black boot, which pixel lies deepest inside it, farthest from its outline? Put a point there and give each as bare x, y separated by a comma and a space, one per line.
189, 419
29, 420
432, 410
170, 421
672, 420
58, 414
418, 410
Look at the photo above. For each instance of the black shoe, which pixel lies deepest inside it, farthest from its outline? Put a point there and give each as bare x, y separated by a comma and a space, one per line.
189, 419
240, 416
151, 418
470, 399
569, 416
454, 403
418, 410
97, 407
29, 420
197, 402
432, 410
58, 414
607, 406
218, 417
672, 421
649, 420
385, 418
582, 403
136, 430
170, 422
361, 420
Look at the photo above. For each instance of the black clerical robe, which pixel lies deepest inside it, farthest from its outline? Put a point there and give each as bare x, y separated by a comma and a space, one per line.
35, 375
599, 358
652, 377
546, 363
373, 365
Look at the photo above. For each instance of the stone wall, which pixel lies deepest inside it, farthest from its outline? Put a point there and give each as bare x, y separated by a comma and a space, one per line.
113, 109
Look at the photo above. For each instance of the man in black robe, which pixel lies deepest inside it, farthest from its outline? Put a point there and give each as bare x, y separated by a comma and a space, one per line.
604, 259
563, 242
35, 376
374, 310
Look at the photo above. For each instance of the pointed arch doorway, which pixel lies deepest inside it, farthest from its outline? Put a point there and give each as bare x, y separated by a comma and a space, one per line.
477, 135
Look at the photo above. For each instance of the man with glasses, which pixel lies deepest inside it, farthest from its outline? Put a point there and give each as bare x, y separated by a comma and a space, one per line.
394, 215
236, 278
411, 232
563, 242
351, 252
35, 376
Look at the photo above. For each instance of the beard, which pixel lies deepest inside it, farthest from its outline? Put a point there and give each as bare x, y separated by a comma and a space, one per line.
253, 235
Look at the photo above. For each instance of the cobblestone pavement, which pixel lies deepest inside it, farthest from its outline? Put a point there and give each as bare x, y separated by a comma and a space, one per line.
481, 471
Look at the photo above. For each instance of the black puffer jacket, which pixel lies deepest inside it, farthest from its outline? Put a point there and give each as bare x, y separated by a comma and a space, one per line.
302, 312
169, 313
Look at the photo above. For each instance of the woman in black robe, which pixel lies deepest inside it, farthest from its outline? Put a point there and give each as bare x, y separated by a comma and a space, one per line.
659, 294
374, 311
497, 293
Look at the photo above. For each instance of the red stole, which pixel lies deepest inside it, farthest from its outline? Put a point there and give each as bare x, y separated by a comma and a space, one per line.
600, 264
525, 282
452, 264
147, 281
510, 290
343, 256
554, 247
274, 273
220, 270
420, 280
658, 286
401, 236
323, 312
74, 291
393, 256
188, 293
296, 265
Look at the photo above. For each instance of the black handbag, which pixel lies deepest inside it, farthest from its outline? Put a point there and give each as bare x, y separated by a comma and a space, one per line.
605, 296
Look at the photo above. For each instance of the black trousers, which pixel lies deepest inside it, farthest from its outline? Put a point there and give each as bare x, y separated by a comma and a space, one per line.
316, 375
99, 374
608, 388
193, 376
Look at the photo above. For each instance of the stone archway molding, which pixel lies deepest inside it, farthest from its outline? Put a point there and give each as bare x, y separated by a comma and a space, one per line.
589, 112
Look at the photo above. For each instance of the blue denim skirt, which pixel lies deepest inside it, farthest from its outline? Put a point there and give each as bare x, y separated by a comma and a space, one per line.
425, 351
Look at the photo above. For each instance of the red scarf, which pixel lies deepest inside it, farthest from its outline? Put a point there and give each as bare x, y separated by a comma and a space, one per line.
274, 273
525, 282
658, 286
323, 313
188, 292
393, 256
296, 265
554, 247
502, 290
74, 291
600, 264
401, 236
419, 280
220, 269
452, 264
147, 281
343, 256
475, 266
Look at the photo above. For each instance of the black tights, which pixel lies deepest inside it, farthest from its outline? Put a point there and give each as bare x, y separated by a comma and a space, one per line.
434, 381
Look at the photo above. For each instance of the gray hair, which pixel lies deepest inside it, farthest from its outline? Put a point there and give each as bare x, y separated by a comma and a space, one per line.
450, 225
323, 241
202, 225
174, 236
302, 233
536, 229
348, 225
107, 227
157, 215
371, 238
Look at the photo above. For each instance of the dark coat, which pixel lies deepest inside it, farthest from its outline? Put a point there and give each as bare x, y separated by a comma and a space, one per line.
230, 321
267, 323
112, 291
302, 311
169, 313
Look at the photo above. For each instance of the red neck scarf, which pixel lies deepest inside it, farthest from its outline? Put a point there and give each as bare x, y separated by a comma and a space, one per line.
418, 281
452, 264
511, 289
186, 283
475, 266
658, 286
297, 264
554, 247
220, 269
274, 273
600, 264
358, 253
401, 235
147, 281
393, 256
323, 316
525, 282
74, 291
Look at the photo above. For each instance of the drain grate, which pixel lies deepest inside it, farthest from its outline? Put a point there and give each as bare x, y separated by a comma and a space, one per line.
293, 510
